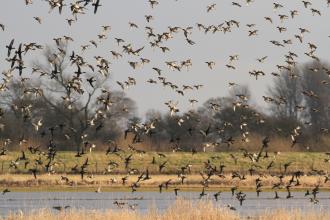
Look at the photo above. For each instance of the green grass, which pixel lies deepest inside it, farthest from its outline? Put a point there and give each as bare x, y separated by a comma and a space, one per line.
98, 161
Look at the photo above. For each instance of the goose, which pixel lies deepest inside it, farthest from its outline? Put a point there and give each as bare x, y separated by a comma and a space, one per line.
230, 66
96, 5
197, 87
277, 5
151, 81
289, 196
269, 19
133, 25
250, 25
270, 165
161, 155
149, 18
231, 207
38, 19
288, 41
283, 17
233, 189
236, 4
115, 54
286, 166
205, 132
93, 43
153, 3
128, 160
176, 191
210, 64
124, 180
253, 33
119, 41
91, 80
34, 172
281, 29
202, 194
276, 43
306, 4
70, 21
294, 13
119, 204
307, 193
10, 47
37, 125
61, 208
162, 166
189, 41
315, 11
5, 191
164, 49
160, 186
233, 58
216, 195
240, 197
210, 7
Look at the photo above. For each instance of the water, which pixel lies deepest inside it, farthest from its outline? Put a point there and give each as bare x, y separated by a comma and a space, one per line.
29, 201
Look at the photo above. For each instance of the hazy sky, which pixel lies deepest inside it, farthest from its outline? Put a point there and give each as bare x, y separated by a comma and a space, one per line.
20, 25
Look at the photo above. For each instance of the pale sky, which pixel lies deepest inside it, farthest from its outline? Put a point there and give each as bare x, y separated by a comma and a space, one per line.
20, 25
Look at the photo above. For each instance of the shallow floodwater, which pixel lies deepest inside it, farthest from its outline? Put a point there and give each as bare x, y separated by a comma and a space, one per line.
29, 201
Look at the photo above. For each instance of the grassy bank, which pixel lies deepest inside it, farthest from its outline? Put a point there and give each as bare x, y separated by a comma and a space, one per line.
45, 182
181, 210
98, 172
99, 162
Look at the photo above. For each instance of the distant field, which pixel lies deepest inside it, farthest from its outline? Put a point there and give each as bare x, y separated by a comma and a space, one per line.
98, 161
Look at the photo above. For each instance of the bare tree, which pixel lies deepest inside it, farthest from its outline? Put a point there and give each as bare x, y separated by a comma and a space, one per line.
316, 92
75, 91
21, 102
286, 95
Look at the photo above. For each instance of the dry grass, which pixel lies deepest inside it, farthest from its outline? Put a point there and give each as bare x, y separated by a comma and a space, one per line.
181, 210
47, 182
293, 214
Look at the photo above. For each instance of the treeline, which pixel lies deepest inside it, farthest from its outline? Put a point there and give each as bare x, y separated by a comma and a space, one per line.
77, 111
296, 117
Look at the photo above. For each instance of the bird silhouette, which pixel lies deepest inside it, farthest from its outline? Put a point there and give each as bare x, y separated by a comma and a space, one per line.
5, 191
96, 5
61, 208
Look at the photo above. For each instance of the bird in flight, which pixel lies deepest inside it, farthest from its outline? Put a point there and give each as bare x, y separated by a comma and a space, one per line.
96, 4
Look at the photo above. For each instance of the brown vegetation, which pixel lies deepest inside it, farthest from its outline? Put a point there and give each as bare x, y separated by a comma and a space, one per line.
113, 182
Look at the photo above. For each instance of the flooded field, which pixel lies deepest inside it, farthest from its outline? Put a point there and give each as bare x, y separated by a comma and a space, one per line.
32, 201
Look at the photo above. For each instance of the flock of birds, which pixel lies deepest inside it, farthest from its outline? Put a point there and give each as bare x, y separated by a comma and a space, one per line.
16, 52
